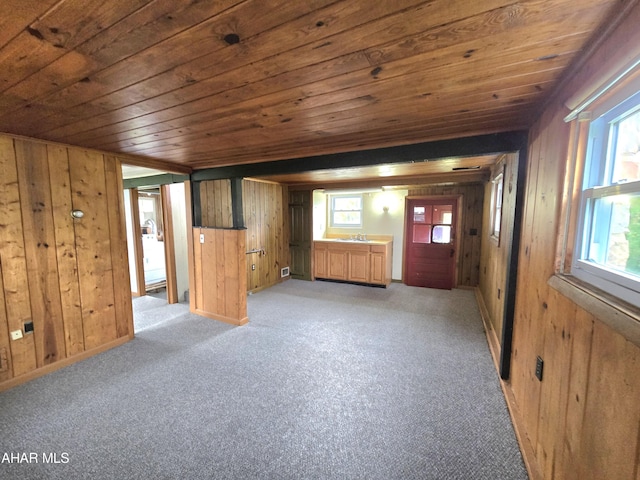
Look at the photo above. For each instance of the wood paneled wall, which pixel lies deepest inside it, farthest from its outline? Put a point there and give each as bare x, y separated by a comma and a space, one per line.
473, 195
219, 288
266, 221
215, 204
265, 216
70, 277
583, 419
494, 256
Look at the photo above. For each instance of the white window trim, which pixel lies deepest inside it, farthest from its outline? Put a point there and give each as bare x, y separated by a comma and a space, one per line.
495, 180
331, 210
596, 185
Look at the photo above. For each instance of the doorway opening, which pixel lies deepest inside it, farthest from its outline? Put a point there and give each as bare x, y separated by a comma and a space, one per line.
153, 248
156, 224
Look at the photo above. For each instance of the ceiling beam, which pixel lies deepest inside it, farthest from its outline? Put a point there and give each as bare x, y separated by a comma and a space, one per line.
405, 181
154, 180
419, 152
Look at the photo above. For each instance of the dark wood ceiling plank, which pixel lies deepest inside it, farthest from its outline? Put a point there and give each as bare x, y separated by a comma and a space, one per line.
170, 47
301, 56
16, 15
217, 112
60, 30
469, 26
337, 18
259, 139
389, 135
200, 122
491, 91
118, 86
209, 105
483, 62
297, 80
408, 108
141, 29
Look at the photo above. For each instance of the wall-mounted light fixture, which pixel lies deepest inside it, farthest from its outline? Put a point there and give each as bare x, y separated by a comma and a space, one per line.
77, 213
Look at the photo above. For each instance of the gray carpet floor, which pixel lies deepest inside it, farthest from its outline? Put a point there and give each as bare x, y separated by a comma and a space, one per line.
327, 381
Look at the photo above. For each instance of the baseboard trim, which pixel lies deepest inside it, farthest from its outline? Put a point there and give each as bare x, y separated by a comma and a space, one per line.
528, 453
492, 337
14, 382
221, 318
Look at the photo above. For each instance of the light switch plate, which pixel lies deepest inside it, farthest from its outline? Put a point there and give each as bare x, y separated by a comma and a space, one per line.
202, 238
16, 335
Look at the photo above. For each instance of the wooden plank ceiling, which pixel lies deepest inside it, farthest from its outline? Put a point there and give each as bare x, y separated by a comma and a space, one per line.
229, 82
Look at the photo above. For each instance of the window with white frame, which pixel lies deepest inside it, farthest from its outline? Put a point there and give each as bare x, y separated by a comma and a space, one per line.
496, 205
607, 248
346, 210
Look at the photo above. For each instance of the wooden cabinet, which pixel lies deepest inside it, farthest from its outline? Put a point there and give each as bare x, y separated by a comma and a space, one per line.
338, 266
320, 260
353, 262
377, 268
359, 263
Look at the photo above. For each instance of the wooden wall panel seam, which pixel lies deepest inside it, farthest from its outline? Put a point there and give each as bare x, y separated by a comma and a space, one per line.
6, 364
12, 257
64, 232
114, 191
68, 276
41, 260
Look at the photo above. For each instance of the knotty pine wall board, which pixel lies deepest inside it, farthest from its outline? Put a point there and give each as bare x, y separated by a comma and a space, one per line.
264, 209
118, 235
219, 278
6, 363
93, 243
583, 419
14, 264
264, 218
68, 276
215, 204
495, 255
66, 248
40, 251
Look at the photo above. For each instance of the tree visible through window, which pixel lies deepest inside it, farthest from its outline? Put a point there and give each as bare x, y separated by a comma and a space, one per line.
346, 211
608, 243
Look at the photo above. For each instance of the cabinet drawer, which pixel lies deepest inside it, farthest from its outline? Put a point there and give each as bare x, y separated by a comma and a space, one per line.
378, 248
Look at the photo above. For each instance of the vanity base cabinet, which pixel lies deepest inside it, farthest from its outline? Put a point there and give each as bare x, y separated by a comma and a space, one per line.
353, 262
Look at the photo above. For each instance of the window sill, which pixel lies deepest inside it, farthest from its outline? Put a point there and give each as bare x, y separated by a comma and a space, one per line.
620, 316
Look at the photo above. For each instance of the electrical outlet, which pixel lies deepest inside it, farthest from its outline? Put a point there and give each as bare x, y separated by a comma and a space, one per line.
539, 368
253, 266
16, 335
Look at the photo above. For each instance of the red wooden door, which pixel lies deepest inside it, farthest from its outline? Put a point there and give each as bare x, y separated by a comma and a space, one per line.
430, 242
